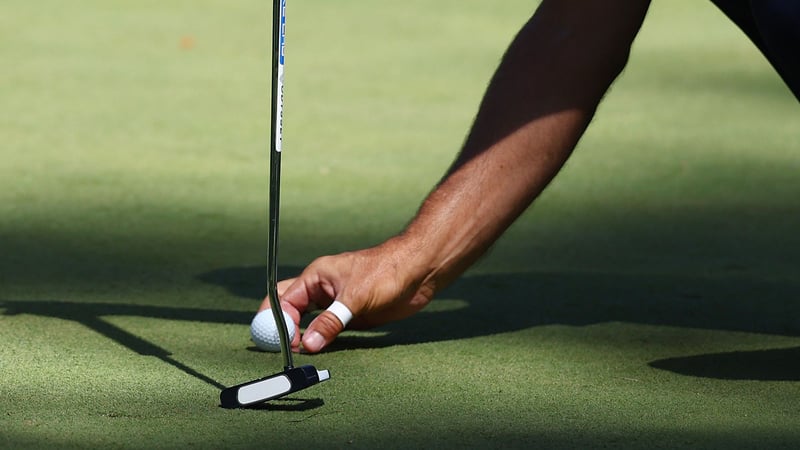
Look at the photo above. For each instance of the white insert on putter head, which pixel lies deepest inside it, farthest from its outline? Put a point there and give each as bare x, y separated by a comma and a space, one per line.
271, 387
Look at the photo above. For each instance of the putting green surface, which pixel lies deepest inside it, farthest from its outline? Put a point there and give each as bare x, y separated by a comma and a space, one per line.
648, 300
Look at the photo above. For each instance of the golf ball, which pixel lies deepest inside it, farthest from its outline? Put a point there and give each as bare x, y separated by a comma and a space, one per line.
264, 331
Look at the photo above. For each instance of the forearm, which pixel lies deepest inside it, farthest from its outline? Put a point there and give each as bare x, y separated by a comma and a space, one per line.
535, 110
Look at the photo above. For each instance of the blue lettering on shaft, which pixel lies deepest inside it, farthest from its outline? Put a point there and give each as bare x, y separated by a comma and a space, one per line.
283, 29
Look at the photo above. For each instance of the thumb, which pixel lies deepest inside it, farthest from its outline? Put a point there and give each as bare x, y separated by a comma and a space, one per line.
324, 329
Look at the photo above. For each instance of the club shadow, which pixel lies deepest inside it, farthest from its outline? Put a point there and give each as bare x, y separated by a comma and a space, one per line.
92, 315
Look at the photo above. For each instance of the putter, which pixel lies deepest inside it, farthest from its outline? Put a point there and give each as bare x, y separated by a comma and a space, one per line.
291, 379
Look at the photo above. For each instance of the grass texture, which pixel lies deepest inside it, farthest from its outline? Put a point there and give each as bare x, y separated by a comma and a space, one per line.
649, 299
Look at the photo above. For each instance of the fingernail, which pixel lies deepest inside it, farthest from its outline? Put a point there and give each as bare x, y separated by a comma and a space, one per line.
313, 341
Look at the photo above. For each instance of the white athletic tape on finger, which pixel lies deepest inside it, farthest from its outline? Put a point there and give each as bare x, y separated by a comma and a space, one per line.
341, 311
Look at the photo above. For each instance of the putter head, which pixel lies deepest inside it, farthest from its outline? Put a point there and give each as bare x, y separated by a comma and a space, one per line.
271, 387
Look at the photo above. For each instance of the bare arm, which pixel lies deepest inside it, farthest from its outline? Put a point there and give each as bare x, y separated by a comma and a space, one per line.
538, 104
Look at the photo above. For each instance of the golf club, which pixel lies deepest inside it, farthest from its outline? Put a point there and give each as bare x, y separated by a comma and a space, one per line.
291, 379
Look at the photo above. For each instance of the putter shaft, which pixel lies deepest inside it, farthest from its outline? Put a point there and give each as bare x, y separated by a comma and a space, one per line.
276, 138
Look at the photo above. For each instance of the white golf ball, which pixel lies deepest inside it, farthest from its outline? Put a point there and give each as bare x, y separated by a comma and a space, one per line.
264, 331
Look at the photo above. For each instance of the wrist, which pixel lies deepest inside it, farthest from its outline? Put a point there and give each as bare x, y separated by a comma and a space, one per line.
409, 254
423, 258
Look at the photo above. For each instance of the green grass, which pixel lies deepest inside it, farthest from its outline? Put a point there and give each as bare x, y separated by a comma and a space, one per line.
648, 299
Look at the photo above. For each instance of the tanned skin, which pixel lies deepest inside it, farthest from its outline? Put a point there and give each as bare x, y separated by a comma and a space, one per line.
537, 106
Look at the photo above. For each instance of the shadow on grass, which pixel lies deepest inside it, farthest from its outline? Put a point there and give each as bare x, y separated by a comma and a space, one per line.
289, 404
91, 315
763, 365
481, 305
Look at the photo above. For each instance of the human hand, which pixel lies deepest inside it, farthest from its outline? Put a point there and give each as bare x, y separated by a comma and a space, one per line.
377, 285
